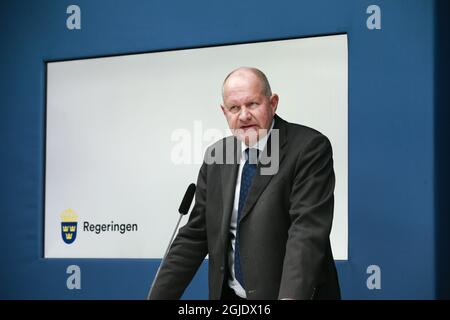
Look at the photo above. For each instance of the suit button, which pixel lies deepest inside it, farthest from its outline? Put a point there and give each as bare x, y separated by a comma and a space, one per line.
222, 269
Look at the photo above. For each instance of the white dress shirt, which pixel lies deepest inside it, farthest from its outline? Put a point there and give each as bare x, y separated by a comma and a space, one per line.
232, 281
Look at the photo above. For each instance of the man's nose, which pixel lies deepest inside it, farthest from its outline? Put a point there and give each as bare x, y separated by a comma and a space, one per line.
244, 115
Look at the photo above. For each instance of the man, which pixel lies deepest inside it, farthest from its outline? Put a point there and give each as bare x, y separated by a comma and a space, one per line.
267, 235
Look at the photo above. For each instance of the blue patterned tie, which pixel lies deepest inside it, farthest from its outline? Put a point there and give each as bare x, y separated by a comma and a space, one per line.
248, 172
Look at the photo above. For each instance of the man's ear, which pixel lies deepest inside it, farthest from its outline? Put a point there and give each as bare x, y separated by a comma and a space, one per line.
274, 102
223, 109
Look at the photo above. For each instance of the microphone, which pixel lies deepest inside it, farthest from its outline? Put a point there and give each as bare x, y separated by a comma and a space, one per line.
183, 210
187, 200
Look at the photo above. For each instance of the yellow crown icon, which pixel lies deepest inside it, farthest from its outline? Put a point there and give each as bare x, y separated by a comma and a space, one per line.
69, 216
69, 236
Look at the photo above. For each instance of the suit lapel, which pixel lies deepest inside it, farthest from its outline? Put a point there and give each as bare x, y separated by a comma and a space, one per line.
228, 181
260, 181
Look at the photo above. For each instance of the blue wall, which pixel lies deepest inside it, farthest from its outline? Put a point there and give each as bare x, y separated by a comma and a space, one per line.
393, 196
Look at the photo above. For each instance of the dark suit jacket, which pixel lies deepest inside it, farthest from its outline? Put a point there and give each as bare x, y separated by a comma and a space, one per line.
284, 226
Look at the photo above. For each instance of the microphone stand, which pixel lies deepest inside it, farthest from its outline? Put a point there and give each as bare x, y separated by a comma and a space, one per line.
165, 255
184, 209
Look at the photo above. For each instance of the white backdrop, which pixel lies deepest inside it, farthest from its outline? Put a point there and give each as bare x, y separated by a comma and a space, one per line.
112, 126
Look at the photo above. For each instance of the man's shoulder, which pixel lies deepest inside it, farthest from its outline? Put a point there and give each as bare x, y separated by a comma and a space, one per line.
222, 143
223, 151
299, 137
300, 129
298, 132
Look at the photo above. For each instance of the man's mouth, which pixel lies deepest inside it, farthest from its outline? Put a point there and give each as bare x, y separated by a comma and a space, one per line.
245, 128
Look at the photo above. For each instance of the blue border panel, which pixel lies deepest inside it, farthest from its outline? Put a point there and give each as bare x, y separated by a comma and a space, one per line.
442, 141
392, 211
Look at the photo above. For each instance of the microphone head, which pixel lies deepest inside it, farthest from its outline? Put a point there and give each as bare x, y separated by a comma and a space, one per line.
187, 199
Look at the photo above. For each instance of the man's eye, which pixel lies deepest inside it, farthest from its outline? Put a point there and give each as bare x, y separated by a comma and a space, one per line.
233, 108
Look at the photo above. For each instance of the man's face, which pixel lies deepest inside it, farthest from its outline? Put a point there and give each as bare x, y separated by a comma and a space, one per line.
246, 108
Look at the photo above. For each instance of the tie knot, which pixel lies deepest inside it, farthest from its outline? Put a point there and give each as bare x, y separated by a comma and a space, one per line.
252, 155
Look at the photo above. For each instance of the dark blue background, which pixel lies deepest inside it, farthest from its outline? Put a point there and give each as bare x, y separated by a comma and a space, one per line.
398, 135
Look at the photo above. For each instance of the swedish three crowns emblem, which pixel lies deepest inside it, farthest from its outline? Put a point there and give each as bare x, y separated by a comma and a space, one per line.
69, 226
